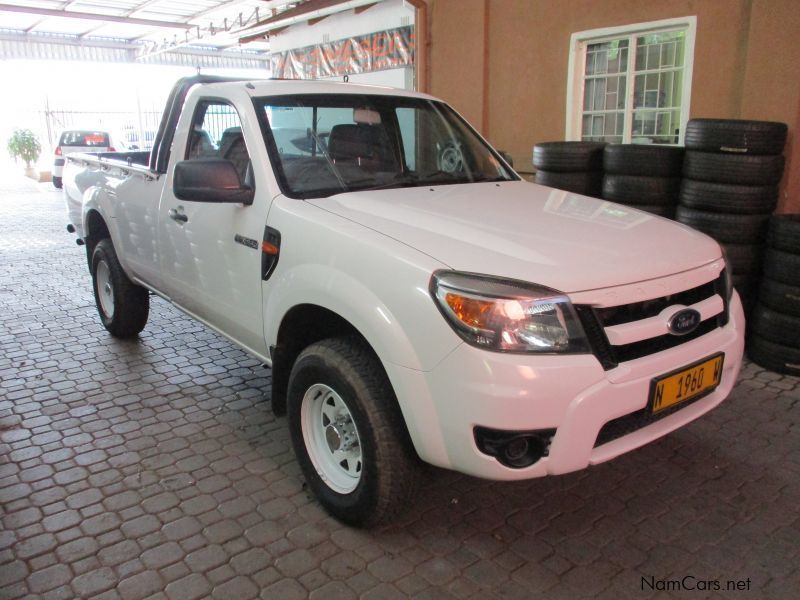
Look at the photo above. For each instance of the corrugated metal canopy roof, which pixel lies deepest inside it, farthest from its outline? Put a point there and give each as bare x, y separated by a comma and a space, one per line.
160, 23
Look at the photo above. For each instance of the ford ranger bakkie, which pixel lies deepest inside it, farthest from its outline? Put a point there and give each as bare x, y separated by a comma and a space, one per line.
415, 299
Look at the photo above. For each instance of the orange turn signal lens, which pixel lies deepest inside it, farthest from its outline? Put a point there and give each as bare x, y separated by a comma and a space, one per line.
470, 311
270, 249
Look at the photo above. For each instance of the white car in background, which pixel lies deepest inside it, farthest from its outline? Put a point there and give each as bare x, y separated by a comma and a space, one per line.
78, 140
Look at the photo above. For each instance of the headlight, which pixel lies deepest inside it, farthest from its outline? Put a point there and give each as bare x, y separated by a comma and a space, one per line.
506, 315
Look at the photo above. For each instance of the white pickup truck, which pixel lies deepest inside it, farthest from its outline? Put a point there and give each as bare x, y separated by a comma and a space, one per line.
414, 297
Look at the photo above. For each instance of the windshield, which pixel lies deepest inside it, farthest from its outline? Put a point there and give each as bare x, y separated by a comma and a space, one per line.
325, 144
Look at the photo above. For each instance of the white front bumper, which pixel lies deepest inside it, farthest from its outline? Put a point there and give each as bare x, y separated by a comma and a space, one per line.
571, 393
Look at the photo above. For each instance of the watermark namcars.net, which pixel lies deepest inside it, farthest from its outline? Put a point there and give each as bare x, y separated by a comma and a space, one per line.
690, 583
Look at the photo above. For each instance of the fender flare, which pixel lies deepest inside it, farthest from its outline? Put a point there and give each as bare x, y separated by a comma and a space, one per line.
349, 298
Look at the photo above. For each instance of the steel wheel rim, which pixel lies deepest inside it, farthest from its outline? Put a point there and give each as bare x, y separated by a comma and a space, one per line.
331, 438
105, 289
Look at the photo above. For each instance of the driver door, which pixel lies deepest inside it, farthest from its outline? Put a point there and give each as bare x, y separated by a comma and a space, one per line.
210, 252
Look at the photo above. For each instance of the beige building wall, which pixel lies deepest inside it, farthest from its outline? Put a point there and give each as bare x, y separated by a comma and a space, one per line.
503, 64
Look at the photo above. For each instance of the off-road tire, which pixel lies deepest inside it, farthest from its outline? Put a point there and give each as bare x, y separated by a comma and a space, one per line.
131, 302
390, 466
643, 159
728, 198
568, 157
733, 168
735, 136
726, 228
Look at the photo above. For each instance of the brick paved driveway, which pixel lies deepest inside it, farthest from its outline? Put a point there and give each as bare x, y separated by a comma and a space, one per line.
131, 469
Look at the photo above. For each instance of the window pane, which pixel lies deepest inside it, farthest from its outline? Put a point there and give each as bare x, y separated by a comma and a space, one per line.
588, 94
654, 108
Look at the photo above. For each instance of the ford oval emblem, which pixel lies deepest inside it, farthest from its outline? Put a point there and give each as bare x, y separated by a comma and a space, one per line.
684, 321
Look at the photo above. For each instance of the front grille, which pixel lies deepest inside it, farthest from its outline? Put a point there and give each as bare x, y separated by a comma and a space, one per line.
596, 337
595, 320
626, 313
662, 342
636, 420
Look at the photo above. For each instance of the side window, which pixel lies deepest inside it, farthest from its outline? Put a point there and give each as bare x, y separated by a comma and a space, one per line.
217, 133
406, 120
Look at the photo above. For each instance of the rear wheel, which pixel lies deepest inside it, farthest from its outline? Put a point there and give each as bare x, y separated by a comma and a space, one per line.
348, 433
122, 305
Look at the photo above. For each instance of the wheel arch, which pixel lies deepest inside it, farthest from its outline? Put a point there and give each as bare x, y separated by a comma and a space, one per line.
301, 326
95, 229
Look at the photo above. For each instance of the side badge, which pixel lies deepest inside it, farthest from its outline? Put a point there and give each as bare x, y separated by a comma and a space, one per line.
244, 241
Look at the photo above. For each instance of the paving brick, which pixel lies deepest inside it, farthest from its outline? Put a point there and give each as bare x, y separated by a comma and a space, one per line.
251, 562
94, 582
36, 545
140, 586
335, 590
191, 587
162, 555
286, 589
207, 558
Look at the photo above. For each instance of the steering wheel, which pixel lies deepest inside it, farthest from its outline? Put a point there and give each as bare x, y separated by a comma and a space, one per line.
451, 158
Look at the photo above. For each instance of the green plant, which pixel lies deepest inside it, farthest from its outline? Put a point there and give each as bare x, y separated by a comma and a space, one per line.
24, 144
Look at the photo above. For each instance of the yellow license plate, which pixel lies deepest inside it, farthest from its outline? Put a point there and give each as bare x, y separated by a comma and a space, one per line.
689, 382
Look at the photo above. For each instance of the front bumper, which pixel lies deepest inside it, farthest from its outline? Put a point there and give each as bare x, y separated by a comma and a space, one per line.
571, 394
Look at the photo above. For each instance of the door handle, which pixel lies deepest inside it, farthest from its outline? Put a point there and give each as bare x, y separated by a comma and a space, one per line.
176, 216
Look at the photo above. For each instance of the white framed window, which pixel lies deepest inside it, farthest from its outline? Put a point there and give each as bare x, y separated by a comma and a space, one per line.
631, 84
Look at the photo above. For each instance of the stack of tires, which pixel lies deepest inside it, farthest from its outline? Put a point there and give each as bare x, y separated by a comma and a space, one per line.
571, 166
731, 172
774, 341
646, 177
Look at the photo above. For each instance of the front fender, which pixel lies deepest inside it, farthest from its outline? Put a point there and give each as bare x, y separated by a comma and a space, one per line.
349, 298
406, 348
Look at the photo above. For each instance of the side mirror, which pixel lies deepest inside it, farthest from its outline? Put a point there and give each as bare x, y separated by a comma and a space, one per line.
210, 180
506, 157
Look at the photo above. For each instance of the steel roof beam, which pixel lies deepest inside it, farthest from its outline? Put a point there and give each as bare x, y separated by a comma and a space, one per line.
48, 12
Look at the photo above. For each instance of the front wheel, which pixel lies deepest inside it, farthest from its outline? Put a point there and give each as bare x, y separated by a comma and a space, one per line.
349, 435
123, 306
